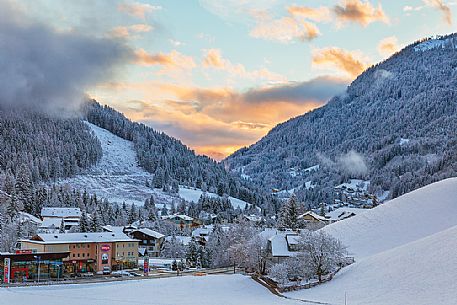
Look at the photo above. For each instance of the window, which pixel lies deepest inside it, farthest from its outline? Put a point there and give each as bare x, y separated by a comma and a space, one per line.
74, 246
73, 255
78, 254
84, 254
88, 255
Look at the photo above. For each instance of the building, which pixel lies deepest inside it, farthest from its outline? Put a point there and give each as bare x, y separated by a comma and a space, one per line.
23, 265
182, 221
53, 217
313, 221
281, 246
150, 241
89, 252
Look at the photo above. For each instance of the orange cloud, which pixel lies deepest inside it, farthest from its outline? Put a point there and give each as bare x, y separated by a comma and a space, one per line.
441, 6
136, 9
388, 46
126, 31
174, 59
213, 59
320, 14
359, 11
217, 121
350, 63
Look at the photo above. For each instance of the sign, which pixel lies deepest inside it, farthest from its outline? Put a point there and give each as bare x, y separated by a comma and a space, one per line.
7, 270
146, 265
28, 251
105, 248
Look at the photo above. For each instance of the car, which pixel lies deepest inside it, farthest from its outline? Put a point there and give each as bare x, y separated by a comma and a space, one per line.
106, 270
121, 273
135, 273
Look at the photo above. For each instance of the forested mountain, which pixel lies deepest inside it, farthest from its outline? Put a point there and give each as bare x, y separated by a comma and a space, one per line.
395, 125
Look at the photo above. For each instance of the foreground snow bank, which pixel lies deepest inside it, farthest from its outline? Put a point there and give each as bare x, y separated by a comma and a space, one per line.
410, 217
188, 290
405, 252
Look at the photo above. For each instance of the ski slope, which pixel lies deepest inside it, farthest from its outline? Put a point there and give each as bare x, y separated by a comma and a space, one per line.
186, 290
117, 176
405, 252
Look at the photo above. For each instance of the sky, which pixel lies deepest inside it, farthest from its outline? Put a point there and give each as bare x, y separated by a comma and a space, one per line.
218, 75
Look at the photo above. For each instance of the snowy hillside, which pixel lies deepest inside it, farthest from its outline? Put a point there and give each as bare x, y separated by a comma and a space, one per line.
410, 217
117, 177
414, 235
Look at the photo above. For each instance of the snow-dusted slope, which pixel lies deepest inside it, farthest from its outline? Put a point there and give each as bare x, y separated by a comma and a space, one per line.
419, 273
117, 177
405, 252
410, 217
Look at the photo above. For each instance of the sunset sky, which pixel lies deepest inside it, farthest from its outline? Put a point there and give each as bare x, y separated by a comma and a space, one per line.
219, 75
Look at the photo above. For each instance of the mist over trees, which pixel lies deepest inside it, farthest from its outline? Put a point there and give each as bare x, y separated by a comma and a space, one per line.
395, 126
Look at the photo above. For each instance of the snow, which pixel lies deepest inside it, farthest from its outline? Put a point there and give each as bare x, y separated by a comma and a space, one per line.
60, 212
83, 237
312, 168
343, 211
193, 195
404, 250
117, 176
279, 247
186, 290
355, 184
432, 44
404, 141
150, 232
410, 217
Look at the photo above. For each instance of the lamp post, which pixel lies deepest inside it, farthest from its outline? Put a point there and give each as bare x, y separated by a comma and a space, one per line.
38, 261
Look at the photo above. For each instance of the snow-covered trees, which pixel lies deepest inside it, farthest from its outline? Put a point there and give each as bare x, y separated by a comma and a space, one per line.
318, 254
288, 215
173, 248
321, 252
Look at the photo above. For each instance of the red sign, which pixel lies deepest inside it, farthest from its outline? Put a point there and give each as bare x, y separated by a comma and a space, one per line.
105, 248
24, 251
6, 270
146, 265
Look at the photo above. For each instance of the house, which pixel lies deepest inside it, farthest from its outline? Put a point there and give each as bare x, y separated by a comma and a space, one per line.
150, 241
182, 221
89, 252
201, 235
119, 229
53, 217
281, 246
313, 221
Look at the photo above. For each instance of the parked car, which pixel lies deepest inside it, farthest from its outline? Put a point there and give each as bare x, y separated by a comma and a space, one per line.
106, 270
121, 273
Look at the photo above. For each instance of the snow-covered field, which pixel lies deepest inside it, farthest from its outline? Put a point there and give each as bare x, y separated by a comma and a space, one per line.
192, 195
405, 252
188, 290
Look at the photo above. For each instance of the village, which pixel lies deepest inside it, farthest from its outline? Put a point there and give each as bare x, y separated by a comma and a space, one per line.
57, 252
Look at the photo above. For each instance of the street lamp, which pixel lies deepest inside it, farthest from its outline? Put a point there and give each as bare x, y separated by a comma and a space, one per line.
38, 260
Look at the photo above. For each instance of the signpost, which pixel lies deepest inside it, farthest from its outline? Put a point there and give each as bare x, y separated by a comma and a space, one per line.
146, 265
7, 270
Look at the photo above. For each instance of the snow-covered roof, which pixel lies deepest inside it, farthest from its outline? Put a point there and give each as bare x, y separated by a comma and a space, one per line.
81, 238
181, 216
49, 223
201, 232
150, 232
185, 240
279, 245
115, 229
60, 212
253, 218
314, 215
344, 212
28, 217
